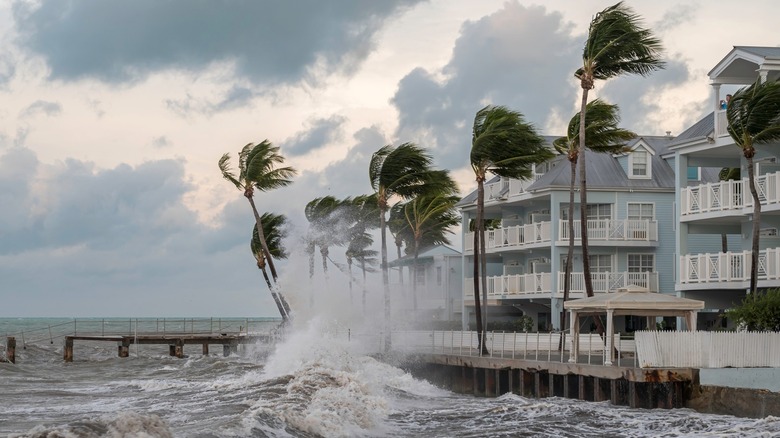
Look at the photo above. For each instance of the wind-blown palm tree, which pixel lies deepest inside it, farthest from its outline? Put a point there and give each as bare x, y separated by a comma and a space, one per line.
430, 216
404, 171
274, 232
257, 170
323, 216
753, 115
401, 233
617, 44
502, 143
364, 216
603, 136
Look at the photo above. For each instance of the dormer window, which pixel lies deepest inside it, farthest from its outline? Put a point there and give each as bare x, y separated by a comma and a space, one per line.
639, 164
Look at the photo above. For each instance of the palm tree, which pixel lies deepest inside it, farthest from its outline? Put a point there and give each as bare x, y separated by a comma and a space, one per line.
363, 215
323, 216
753, 115
429, 216
401, 233
274, 232
257, 170
603, 136
404, 171
502, 143
616, 45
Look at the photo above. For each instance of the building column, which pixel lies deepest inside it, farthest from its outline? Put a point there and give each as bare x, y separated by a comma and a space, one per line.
716, 97
681, 234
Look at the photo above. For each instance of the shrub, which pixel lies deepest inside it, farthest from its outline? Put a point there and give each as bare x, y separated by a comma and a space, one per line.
758, 312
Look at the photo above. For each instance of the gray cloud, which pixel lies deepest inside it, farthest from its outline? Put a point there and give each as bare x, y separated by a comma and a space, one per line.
79, 235
42, 107
268, 41
521, 57
681, 14
320, 133
161, 142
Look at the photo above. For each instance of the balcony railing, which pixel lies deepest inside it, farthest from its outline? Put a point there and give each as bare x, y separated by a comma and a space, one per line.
508, 187
729, 195
610, 229
516, 236
728, 267
721, 123
530, 285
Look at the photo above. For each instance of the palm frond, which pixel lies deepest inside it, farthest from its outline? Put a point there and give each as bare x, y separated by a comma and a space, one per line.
753, 114
618, 44
602, 133
224, 167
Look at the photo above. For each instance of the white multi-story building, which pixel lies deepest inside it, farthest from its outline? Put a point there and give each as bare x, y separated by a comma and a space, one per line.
708, 268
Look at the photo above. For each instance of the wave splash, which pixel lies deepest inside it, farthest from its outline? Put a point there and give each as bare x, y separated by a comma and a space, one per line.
124, 424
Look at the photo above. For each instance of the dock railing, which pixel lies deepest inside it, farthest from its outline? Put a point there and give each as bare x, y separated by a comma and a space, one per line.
514, 345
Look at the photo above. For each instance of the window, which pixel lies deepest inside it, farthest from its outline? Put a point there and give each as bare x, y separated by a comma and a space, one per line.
438, 276
600, 263
419, 275
693, 174
599, 211
641, 262
637, 211
639, 163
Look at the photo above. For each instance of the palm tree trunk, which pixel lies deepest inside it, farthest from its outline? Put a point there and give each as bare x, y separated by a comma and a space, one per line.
275, 296
398, 243
310, 251
584, 203
365, 291
570, 253
324, 254
385, 276
413, 277
584, 197
349, 270
261, 234
482, 259
756, 221
477, 306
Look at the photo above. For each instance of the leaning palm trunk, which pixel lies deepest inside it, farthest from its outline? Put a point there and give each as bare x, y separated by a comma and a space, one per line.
385, 277
587, 84
570, 253
278, 299
756, 224
477, 306
413, 277
261, 234
482, 277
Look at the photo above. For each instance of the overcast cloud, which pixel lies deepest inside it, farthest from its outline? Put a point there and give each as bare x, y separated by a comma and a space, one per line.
115, 113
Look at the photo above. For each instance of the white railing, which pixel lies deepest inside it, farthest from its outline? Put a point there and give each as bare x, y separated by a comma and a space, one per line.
508, 187
729, 195
664, 349
510, 345
721, 123
728, 266
513, 285
529, 285
605, 282
610, 229
513, 237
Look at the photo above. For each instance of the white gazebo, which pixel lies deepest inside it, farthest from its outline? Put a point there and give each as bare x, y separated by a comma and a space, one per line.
631, 300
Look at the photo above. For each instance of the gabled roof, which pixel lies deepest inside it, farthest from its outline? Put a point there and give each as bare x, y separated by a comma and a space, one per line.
604, 170
743, 64
425, 255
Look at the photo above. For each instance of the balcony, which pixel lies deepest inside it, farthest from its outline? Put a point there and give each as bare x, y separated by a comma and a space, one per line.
728, 196
518, 236
729, 267
539, 285
507, 187
612, 230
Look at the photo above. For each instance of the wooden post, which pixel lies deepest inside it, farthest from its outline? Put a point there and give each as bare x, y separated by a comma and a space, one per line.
10, 349
205, 348
179, 348
226, 350
172, 350
124, 348
67, 353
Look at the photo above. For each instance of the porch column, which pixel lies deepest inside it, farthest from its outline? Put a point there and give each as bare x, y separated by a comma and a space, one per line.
574, 331
610, 335
716, 99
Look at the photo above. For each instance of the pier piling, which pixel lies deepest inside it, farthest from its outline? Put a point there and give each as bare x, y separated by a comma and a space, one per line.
10, 349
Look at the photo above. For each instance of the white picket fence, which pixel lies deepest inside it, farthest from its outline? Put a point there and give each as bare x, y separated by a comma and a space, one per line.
666, 349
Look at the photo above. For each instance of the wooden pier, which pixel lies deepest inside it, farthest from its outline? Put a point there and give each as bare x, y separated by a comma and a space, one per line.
175, 343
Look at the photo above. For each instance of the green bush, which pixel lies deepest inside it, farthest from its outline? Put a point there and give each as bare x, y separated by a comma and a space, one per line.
758, 312
522, 324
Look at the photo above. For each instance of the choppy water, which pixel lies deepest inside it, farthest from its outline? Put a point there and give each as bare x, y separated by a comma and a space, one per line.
314, 384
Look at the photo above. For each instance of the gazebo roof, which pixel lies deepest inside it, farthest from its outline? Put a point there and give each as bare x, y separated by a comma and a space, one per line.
633, 298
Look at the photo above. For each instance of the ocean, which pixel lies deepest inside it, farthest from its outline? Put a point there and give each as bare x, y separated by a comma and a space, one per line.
316, 383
